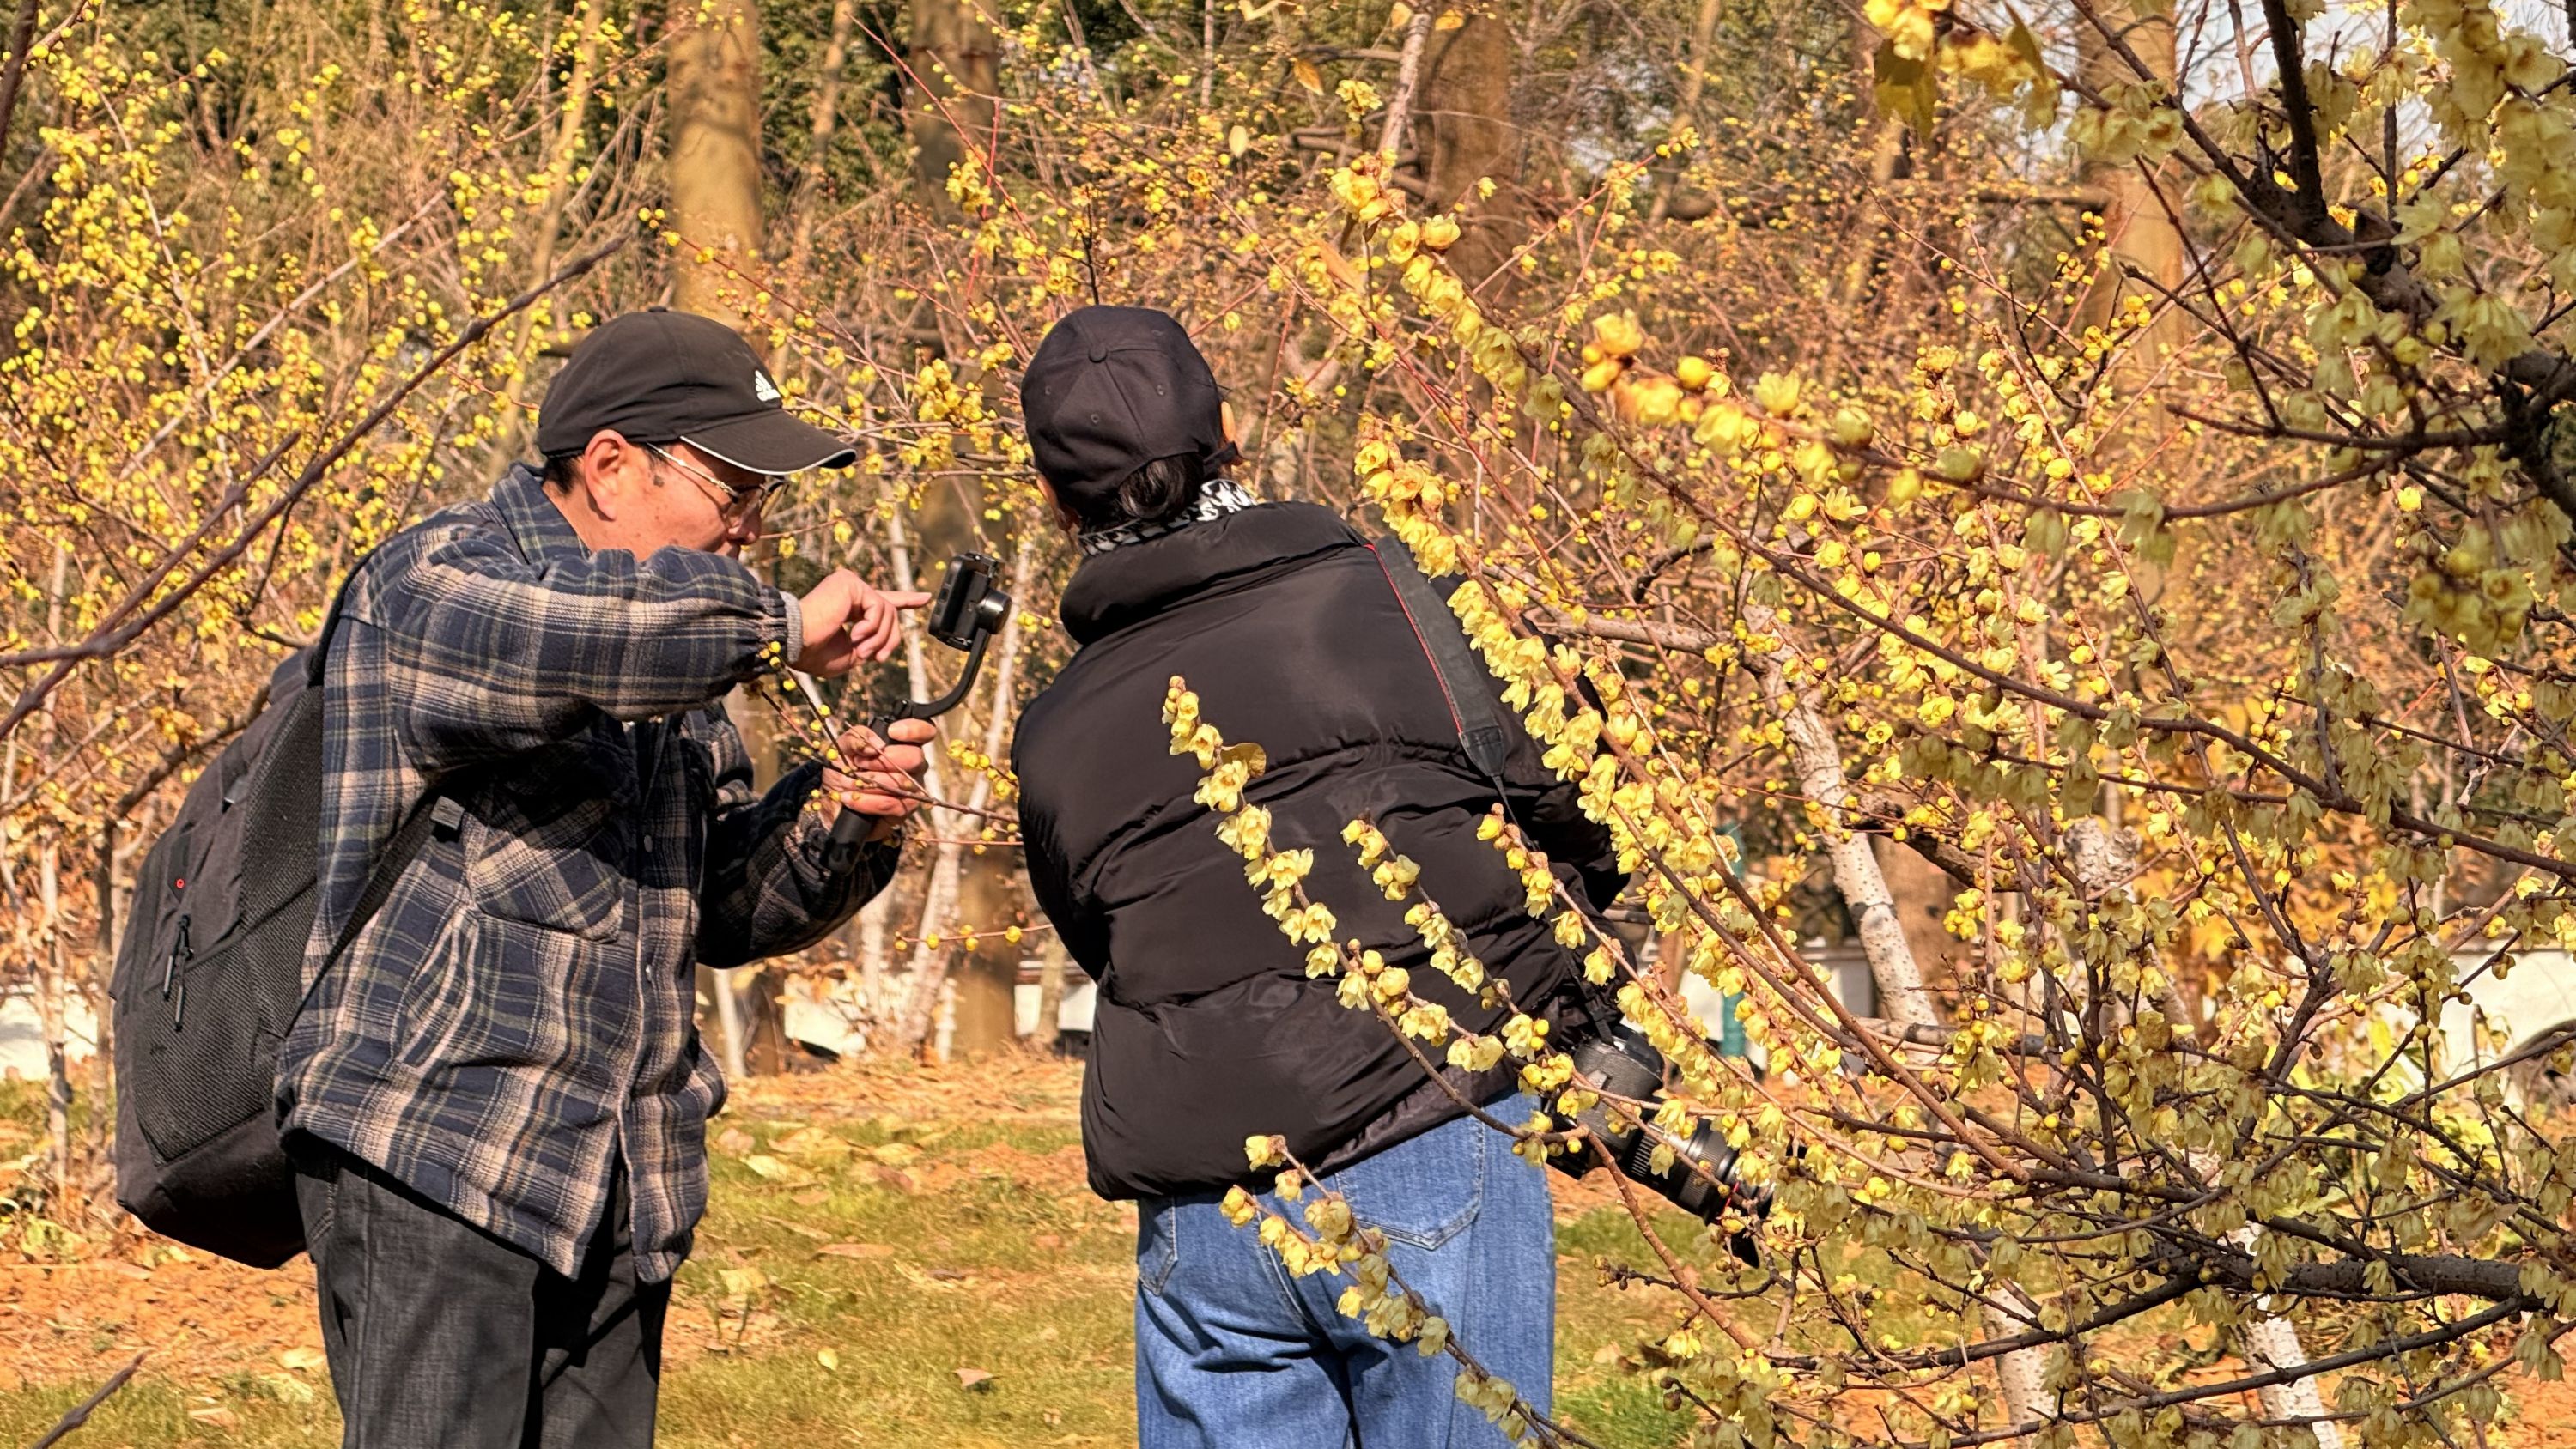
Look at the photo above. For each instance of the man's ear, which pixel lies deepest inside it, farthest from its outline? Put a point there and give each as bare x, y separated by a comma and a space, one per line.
611, 470
1063, 515
1225, 421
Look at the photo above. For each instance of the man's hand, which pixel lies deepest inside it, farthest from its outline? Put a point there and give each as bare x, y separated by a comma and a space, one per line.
887, 779
846, 621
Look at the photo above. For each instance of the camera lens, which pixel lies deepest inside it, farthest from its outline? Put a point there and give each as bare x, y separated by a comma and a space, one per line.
1700, 1177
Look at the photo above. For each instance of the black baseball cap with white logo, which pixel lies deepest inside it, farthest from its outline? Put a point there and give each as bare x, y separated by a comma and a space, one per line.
659, 376
1110, 390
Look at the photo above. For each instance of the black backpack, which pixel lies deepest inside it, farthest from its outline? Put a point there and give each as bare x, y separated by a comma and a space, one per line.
208, 980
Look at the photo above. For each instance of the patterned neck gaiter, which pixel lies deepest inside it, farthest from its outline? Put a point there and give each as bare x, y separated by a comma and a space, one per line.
1218, 498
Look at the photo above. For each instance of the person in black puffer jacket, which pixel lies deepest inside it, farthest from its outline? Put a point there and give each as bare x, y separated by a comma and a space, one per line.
1207, 1029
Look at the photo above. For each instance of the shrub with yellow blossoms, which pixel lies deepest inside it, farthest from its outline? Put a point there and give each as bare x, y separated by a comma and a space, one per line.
2155, 658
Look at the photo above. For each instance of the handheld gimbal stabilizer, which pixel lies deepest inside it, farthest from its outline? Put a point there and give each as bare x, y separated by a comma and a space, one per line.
968, 609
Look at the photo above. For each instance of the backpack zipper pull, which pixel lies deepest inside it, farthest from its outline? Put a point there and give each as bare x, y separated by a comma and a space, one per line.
178, 948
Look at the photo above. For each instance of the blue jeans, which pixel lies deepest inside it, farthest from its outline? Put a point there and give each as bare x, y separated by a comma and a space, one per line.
1234, 1353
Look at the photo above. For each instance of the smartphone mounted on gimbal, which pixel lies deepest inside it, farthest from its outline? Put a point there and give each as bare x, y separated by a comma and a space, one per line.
969, 607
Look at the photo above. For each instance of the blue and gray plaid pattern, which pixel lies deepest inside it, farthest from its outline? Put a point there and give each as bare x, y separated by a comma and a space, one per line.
519, 1014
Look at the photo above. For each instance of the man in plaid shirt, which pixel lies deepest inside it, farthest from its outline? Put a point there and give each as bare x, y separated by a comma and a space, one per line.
497, 1098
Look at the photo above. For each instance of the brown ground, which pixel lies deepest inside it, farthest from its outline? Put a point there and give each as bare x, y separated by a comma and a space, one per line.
205, 1320
201, 1317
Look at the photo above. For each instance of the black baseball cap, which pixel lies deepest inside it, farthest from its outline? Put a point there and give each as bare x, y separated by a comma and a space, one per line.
659, 376
1110, 390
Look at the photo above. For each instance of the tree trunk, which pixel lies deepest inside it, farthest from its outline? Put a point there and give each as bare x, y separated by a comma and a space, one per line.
1920, 893
53, 1010
948, 97
930, 967
987, 970
714, 95
1869, 265
2143, 239
102, 1012
716, 987
751, 1003
867, 937
1465, 135
1686, 109
53, 992
563, 155
2100, 858
827, 121
1408, 83
1054, 962
1819, 764
896, 1025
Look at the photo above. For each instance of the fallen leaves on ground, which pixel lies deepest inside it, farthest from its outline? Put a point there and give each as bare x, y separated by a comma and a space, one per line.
855, 1250
809, 1142
776, 1170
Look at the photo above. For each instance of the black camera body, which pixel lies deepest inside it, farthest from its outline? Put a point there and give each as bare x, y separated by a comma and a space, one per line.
1700, 1179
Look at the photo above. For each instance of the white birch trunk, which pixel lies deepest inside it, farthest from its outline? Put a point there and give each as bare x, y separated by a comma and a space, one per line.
917, 682
1408, 84
1819, 763
53, 1005
729, 1018
53, 1009
872, 963
2101, 857
930, 967
2273, 1343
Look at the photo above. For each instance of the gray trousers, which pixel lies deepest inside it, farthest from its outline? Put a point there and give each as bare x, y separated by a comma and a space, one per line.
441, 1336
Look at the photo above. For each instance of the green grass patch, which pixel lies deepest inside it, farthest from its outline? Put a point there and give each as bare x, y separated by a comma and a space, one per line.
853, 1264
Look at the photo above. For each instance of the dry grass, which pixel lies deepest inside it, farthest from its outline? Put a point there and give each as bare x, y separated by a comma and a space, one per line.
875, 1232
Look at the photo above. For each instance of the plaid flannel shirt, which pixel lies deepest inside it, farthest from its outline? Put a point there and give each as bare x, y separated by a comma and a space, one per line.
517, 1018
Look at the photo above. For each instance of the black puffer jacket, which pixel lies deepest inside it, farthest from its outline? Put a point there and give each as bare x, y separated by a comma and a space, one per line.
1207, 1029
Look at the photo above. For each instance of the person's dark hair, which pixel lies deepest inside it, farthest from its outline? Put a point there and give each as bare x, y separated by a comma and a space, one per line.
560, 470
1159, 490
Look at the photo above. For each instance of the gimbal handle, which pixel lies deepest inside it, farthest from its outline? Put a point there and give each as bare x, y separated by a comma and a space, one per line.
850, 828
934, 708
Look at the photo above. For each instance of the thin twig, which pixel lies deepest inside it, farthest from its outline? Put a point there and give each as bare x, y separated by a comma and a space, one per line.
112, 637
81, 1411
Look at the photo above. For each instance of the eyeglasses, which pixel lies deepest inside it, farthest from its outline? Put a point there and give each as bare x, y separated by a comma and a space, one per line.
730, 499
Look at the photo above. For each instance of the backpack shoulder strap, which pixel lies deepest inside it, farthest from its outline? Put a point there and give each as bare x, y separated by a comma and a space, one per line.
331, 623
1472, 706
437, 811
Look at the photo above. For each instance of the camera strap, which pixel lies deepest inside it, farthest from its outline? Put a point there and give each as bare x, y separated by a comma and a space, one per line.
1472, 706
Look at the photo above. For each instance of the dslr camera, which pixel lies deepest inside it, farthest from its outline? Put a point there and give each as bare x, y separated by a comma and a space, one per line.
1700, 1179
